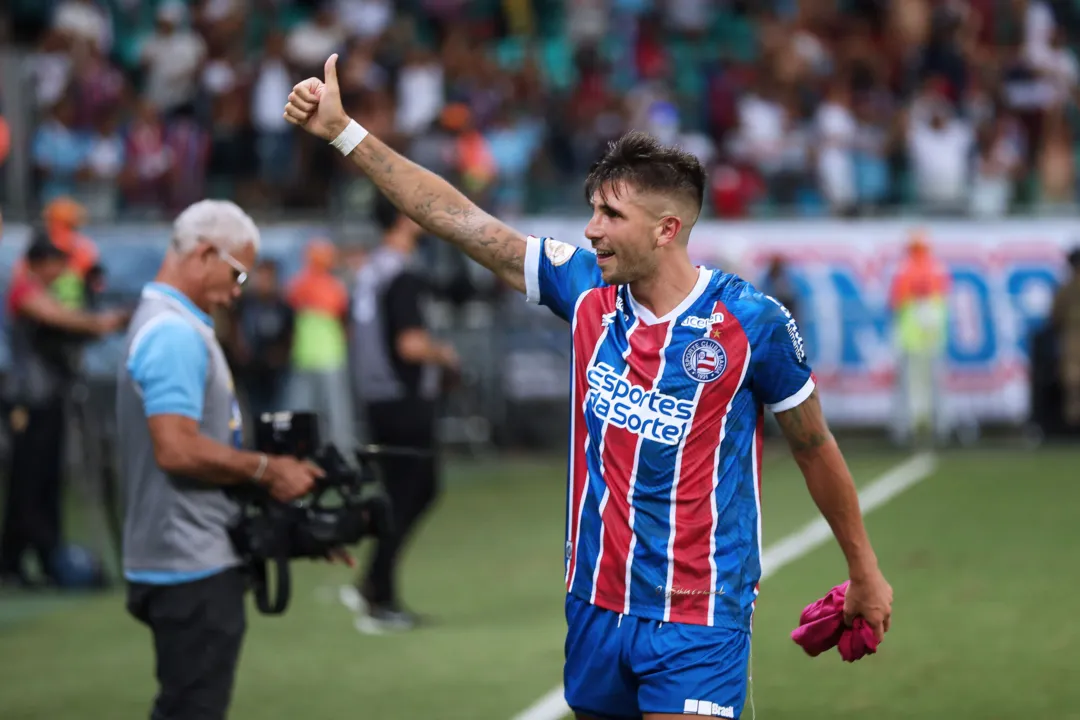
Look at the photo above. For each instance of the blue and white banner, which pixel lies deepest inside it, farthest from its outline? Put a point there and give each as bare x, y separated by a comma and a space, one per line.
1004, 277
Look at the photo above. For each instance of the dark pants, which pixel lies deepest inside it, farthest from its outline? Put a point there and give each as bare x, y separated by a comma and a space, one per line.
32, 507
411, 484
198, 628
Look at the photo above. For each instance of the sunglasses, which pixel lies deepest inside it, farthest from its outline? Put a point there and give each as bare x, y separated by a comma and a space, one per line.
240, 273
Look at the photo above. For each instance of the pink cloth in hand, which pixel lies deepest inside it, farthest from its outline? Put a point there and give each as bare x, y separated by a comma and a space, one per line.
821, 627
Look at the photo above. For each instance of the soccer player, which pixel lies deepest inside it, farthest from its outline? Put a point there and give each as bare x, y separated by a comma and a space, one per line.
673, 366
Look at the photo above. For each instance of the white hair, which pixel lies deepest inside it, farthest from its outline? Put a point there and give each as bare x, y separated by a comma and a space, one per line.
219, 222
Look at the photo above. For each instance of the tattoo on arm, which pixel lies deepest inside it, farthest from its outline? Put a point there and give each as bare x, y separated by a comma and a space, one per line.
804, 425
444, 211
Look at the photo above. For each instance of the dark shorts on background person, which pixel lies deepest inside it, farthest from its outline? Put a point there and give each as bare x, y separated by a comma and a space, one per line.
198, 628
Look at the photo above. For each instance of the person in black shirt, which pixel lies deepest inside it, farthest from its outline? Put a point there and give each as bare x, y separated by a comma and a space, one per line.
264, 341
399, 370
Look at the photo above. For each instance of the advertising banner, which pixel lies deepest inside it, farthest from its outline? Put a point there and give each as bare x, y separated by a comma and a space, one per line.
1004, 276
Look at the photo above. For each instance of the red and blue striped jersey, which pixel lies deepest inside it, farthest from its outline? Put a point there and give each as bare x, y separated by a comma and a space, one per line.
663, 510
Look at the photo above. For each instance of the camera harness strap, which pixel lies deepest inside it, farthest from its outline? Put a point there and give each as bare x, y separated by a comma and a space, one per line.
283, 586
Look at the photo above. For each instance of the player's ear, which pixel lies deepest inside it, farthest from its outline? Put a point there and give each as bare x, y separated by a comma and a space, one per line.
667, 230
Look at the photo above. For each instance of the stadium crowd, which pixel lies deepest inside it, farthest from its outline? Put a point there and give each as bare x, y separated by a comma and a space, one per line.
806, 106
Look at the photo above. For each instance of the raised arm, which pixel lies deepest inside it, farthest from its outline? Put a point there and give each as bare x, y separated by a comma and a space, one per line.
425, 197
833, 490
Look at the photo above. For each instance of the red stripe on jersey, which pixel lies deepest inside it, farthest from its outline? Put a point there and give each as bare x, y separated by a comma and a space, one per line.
646, 348
691, 572
588, 334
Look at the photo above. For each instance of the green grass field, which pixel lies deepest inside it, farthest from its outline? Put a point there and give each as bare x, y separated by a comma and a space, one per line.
978, 554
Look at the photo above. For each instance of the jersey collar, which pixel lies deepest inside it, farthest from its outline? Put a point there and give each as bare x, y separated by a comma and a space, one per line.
645, 315
161, 291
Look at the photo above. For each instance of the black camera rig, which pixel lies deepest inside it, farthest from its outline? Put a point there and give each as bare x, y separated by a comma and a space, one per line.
348, 504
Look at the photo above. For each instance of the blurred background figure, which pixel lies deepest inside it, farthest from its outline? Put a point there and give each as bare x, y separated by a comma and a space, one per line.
1065, 319
779, 283
64, 219
319, 379
918, 298
264, 341
40, 333
400, 371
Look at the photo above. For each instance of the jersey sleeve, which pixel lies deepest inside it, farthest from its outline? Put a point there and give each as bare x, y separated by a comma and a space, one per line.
557, 273
168, 363
783, 378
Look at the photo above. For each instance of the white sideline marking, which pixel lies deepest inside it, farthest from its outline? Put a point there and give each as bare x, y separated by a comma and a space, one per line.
783, 552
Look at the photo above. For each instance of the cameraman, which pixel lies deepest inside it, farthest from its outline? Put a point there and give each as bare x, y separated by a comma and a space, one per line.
180, 434
40, 332
399, 370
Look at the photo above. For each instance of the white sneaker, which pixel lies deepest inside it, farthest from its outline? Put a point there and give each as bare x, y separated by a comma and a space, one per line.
351, 598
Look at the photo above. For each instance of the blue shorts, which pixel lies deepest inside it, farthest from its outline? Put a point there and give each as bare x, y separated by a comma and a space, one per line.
624, 666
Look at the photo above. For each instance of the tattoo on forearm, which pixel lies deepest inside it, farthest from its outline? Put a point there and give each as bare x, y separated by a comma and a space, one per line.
440, 208
804, 425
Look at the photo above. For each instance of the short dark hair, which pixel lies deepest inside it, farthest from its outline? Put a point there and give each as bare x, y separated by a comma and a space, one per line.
641, 161
41, 248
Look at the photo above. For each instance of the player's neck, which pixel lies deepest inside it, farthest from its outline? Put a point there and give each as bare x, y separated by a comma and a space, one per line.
667, 288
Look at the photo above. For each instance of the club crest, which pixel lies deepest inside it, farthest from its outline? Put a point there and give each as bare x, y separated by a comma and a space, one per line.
704, 360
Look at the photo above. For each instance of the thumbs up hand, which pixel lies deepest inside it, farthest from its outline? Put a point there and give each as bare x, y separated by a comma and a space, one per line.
315, 105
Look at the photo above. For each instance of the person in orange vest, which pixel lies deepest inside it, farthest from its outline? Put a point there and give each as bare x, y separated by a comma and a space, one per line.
320, 380
63, 218
918, 299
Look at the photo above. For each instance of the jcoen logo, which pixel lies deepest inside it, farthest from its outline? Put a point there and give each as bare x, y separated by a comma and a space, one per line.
701, 323
648, 413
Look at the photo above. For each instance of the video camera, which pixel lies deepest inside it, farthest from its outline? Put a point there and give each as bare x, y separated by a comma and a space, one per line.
348, 504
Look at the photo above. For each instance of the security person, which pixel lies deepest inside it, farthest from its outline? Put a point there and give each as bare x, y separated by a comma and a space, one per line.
40, 334
180, 435
398, 370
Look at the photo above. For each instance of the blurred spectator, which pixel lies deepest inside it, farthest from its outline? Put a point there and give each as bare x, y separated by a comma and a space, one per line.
779, 284
837, 135
263, 342
791, 105
273, 136
84, 21
1056, 164
939, 147
63, 218
400, 370
172, 58
41, 332
60, 152
312, 41
998, 159
104, 163
319, 380
1065, 319
917, 298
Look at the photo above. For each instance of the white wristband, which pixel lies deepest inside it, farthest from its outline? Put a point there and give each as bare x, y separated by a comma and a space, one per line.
263, 462
349, 138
